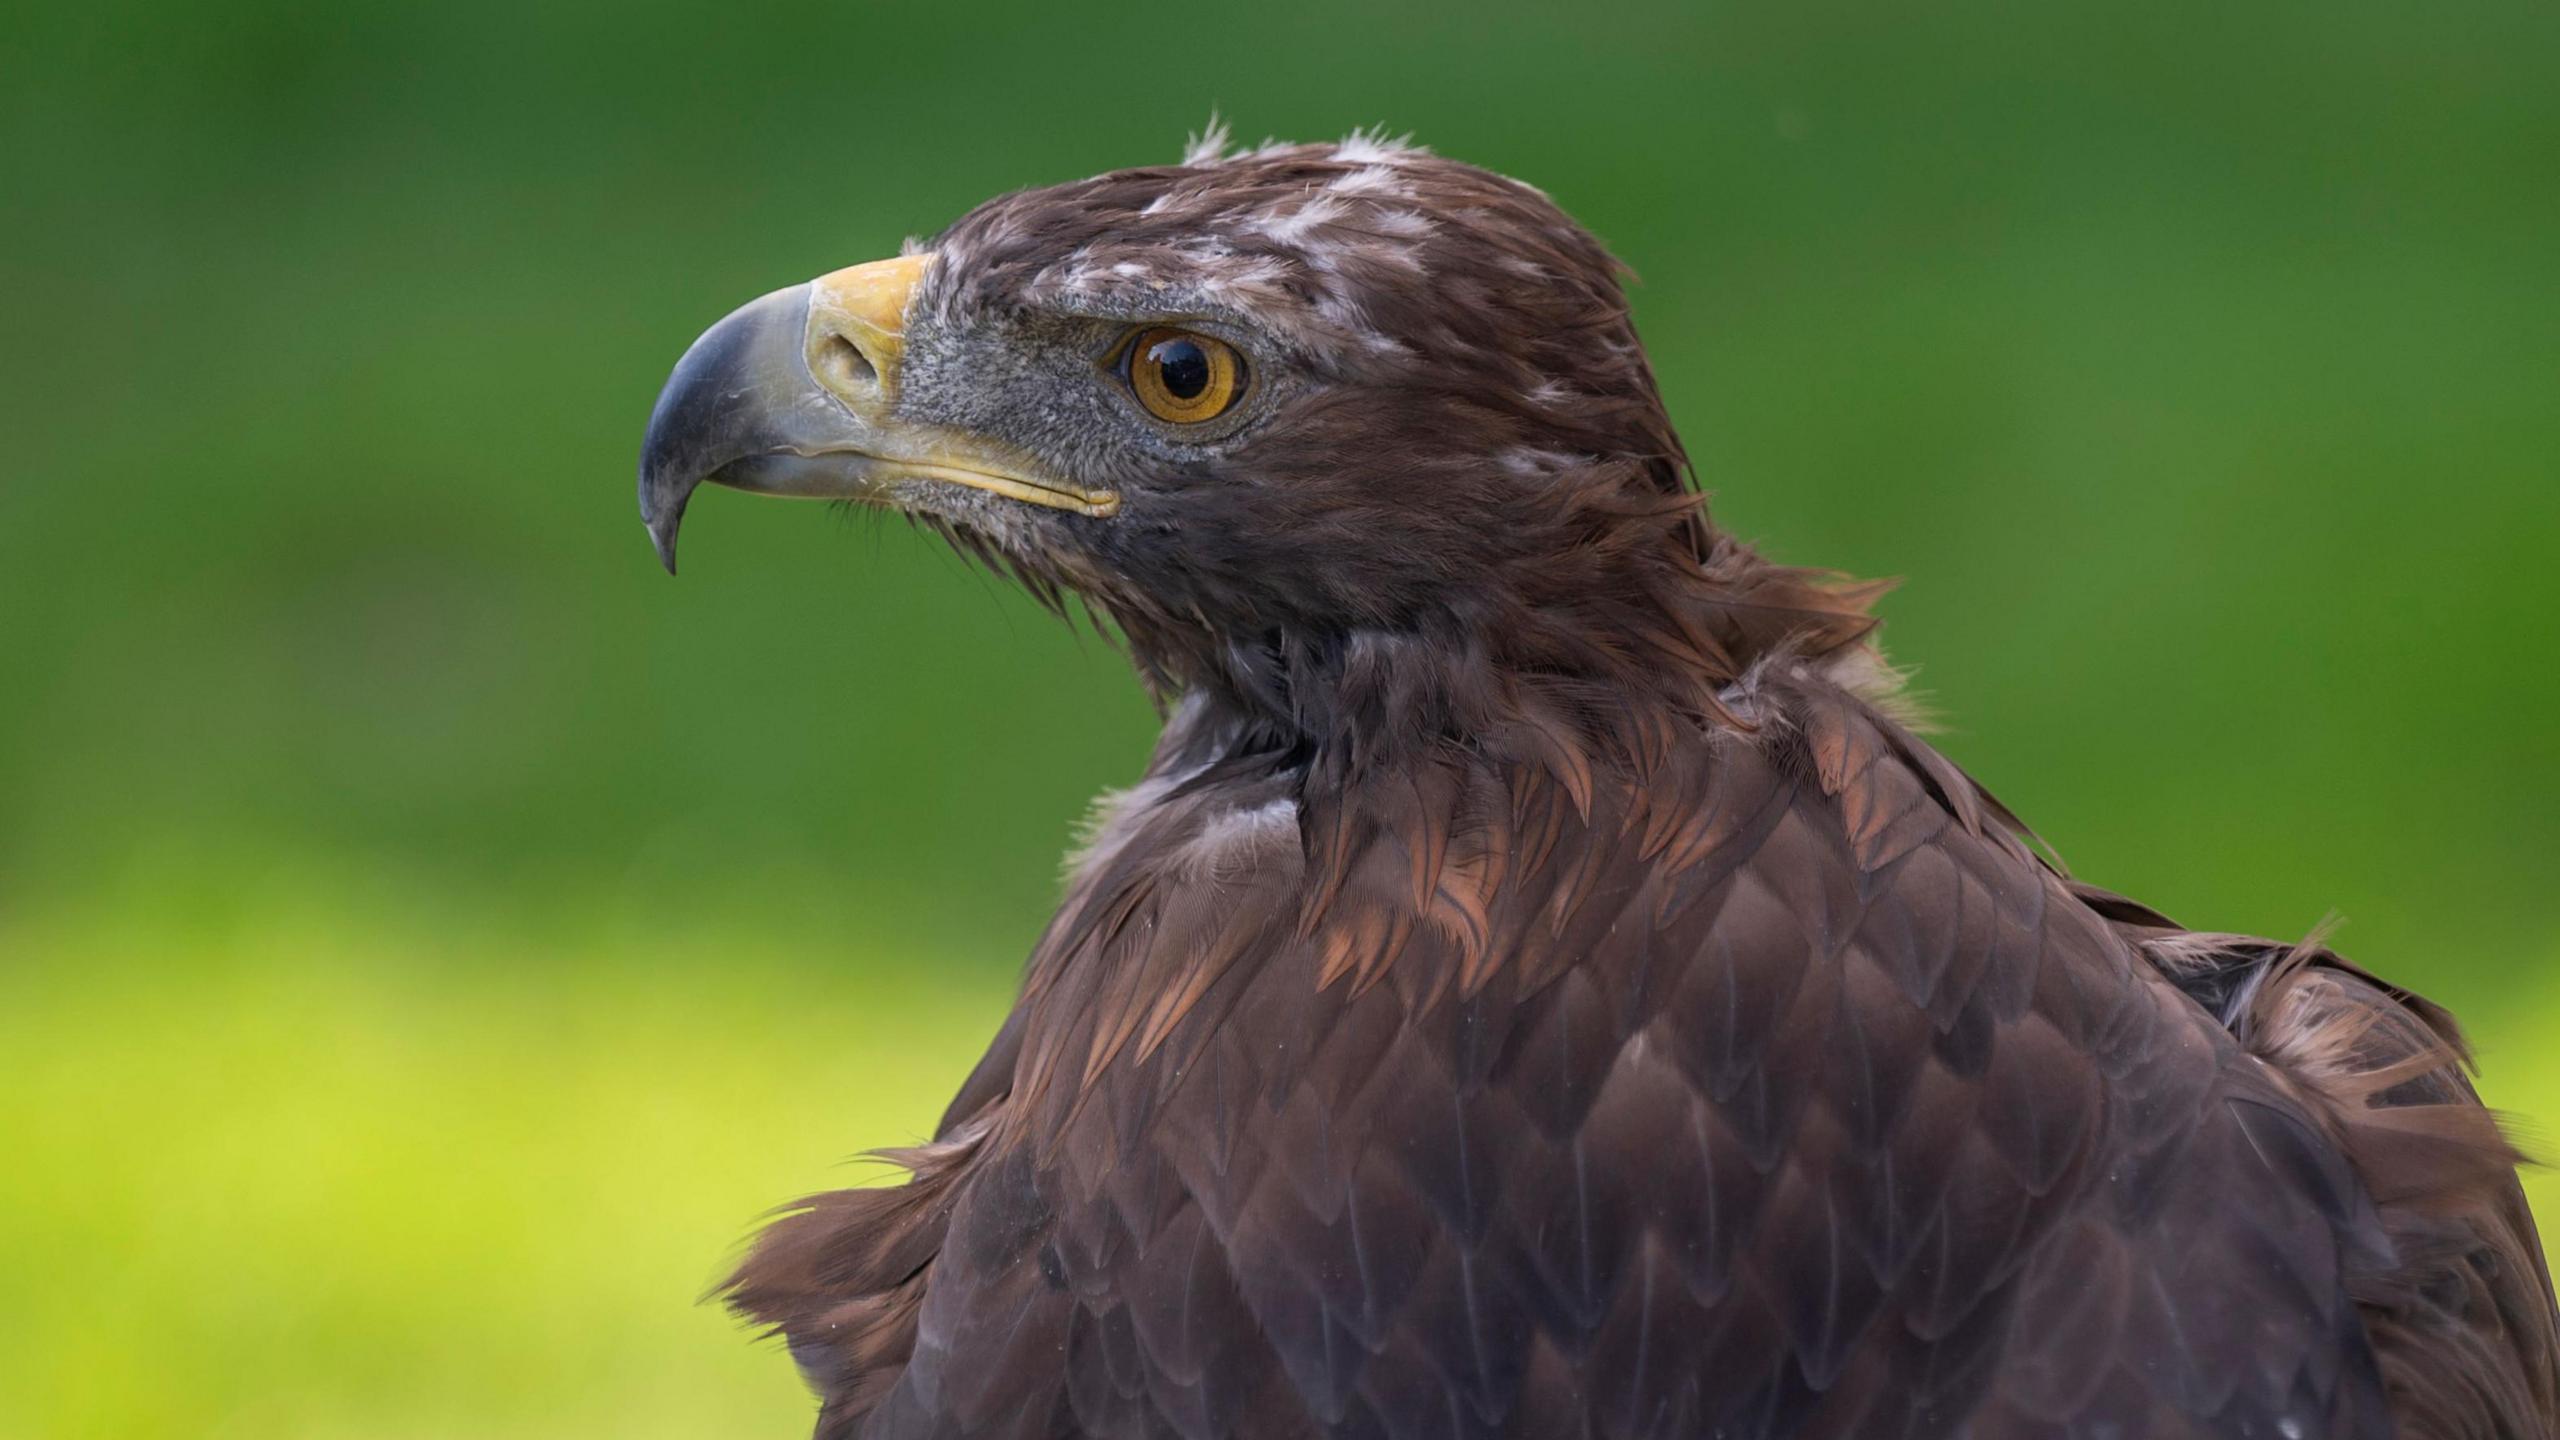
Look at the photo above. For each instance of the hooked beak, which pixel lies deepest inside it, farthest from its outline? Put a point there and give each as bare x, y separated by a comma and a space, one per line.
797, 394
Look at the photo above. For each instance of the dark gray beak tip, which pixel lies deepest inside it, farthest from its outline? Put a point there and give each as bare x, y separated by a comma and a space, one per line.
662, 533
735, 394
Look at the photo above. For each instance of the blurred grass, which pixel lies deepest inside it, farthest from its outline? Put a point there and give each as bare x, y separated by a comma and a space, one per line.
428, 936
384, 1172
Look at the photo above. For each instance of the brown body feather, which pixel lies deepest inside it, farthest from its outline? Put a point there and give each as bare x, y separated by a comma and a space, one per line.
1715, 1081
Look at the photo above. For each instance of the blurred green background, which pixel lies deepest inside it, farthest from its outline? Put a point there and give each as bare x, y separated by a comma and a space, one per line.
429, 935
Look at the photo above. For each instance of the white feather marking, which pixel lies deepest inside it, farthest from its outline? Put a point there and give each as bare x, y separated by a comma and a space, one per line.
1232, 841
1114, 818
1295, 226
1530, 460
1377, 147
1224, 843
1210, 145
1405, 224
1377, 180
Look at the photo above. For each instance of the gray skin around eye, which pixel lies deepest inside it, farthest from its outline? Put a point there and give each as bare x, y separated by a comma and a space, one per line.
1047, 384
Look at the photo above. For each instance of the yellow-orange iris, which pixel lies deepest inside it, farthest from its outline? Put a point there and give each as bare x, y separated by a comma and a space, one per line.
1182, 376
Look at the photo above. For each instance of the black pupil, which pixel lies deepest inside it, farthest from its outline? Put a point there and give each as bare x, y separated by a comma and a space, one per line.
1182, 367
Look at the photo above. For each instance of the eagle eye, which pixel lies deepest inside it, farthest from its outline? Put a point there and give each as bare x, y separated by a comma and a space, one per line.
1180, 376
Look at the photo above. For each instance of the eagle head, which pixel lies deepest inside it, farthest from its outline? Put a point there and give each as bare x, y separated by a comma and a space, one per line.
1242, 405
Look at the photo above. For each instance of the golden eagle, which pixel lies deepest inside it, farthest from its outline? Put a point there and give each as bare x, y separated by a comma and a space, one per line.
1542, 985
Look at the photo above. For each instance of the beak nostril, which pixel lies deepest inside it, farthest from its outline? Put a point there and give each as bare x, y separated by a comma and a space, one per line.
844, 365
857, 329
